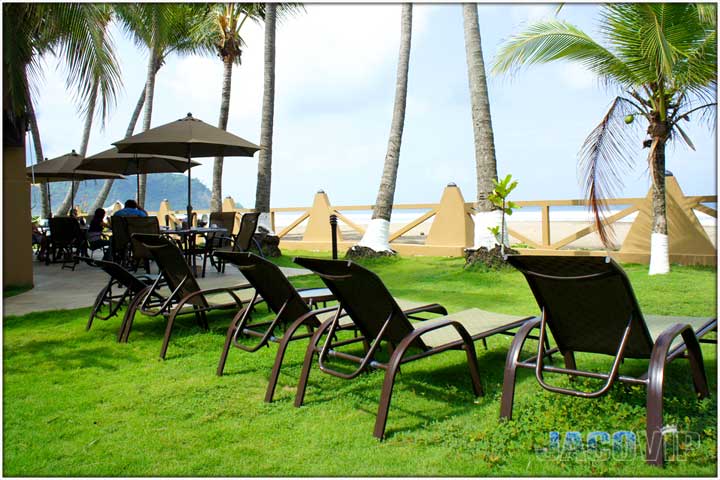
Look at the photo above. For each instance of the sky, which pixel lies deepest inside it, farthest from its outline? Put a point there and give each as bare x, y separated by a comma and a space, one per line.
335, 85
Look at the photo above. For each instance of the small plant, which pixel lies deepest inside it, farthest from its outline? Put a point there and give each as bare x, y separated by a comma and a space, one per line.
498, 197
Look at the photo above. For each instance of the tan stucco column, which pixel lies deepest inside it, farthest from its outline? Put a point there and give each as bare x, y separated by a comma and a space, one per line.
17, 227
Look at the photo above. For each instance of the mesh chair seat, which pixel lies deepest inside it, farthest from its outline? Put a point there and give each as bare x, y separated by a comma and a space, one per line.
657, 324
478, 323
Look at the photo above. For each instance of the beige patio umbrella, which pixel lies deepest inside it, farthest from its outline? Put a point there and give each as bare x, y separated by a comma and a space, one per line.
188, 137
64, 169
135, 164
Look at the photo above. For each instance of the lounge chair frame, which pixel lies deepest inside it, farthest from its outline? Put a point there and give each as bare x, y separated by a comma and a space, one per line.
399, 344
661, 352
184, 291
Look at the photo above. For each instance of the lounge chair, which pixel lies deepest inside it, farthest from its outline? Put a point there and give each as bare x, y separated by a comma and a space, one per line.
377, 315
126, 286
293, 309
185, 295
589, 306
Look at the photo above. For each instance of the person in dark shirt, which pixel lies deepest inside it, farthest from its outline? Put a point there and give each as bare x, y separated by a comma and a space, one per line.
95, 230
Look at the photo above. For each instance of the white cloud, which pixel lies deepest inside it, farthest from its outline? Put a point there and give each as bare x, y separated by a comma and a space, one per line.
532, 12
576, 76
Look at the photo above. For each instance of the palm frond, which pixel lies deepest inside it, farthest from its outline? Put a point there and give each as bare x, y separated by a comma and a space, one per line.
552, 40
605, 156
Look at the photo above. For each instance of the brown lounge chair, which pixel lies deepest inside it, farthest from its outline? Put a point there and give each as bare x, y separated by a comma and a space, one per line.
242, 241
589, 306
293, 310
185, 295
126, 286
377, 315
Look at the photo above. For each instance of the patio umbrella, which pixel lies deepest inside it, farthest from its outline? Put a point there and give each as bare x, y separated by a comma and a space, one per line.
64, 169
188, 137
135, 163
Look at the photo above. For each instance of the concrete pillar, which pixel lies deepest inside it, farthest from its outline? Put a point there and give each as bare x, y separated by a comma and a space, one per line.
228, 204
452, 226
318, 226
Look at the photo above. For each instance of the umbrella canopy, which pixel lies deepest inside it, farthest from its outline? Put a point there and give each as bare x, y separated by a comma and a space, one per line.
64, 169
188, 137
135, 163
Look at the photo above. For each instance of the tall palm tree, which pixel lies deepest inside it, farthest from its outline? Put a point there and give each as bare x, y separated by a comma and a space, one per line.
162, 28
105, 189
76, 33
663, 57
39, 157
487, 215
264, 174
377, 234
219, 35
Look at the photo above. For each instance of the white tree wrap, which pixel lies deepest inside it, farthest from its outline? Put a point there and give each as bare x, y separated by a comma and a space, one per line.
484, 221
264, 221
659, 255
376, 236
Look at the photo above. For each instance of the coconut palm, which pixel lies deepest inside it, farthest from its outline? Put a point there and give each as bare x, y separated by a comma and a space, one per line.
487, 215
162, 28
74, 32
219, 35
663, 58
378, 232
262, 187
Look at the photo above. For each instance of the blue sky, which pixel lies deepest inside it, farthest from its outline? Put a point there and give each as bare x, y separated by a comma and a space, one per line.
335, 83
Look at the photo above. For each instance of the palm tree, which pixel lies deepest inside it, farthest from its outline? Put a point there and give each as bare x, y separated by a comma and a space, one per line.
75, 32
663, 57
39, 157
219, 35
262, 187
105, 190
487, 215
378, 232
162, 28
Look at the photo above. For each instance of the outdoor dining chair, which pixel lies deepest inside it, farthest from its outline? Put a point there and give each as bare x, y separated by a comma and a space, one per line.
66, 241
149, 225
122, 287
589, 306
216, 241
363, 296
185, 295
242, 241
120, 240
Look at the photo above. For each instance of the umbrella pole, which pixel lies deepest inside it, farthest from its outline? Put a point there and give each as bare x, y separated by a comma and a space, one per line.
49, 200
137, 191
72, 196
189, 192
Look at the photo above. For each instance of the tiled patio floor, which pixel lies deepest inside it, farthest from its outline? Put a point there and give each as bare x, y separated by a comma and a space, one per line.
57, 289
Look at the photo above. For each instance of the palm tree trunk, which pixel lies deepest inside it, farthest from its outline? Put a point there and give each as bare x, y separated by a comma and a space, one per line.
659, 253
67, 201
264, 175
147, 117
35, 132
378, 231
105, 190
485, 164
216, 197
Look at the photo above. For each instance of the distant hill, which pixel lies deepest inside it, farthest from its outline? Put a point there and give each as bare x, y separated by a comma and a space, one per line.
170, 186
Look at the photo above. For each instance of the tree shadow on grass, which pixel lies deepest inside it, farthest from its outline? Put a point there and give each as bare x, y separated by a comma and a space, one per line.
62, 355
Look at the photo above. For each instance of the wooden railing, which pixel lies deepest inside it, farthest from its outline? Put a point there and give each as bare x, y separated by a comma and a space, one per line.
451, 225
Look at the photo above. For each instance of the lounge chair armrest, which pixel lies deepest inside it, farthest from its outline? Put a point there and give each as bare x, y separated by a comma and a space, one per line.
430, 308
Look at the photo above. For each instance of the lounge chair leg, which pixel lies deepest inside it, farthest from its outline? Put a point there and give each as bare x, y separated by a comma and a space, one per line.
569, 358
386, 394
474, 370
129, 318
509, 378
697, 367
655, 445
228, 341
97, 306
307, 363
168, 331
282, 347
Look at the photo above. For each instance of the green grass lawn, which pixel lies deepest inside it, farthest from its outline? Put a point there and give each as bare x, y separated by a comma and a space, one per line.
77, 403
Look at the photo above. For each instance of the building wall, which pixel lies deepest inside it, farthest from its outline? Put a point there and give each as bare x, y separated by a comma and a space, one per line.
17, 228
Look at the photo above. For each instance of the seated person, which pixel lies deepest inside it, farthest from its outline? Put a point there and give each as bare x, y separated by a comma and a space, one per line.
95, 229
131, 210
